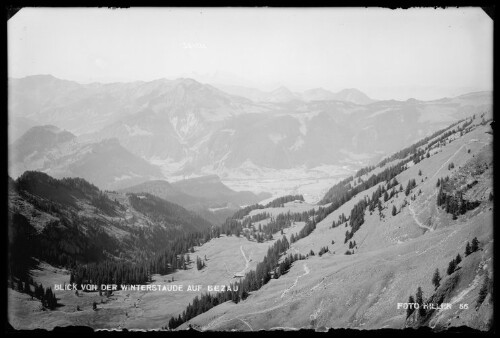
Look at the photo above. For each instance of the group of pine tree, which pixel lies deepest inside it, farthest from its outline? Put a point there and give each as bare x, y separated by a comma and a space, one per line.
205, 302
436, 281
200, 264
236, 226
432, 141
46, 296
356, 219
453, 204
451, 200
239, 224
453, 264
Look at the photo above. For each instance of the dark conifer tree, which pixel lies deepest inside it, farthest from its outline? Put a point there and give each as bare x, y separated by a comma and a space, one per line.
467, 249
410, 309
436, 279
474, 245
483, 292
27, 288
419, 299
451, 267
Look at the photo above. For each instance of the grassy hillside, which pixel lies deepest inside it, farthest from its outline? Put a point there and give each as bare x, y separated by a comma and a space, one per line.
393, 256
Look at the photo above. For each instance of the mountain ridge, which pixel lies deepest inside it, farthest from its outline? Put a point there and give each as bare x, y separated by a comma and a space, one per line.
206, 196
188, 128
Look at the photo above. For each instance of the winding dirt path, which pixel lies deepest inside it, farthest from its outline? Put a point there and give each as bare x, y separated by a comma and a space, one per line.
438, 244
410, 207
242, 272
306, 272
247, 262
448, 160
420, 224
246, 323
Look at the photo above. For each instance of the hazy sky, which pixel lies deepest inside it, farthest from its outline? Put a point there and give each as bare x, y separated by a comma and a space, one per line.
421, 53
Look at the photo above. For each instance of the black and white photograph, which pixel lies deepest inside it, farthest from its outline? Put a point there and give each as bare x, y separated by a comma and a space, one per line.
250, 168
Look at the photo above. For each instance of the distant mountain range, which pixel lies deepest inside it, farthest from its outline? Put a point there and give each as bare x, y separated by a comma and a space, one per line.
184, 127
283, 94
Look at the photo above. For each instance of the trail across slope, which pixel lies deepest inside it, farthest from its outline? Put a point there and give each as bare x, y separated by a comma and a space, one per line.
410, 206
444, 163
420, 224
246, 323
306, 272
247, 262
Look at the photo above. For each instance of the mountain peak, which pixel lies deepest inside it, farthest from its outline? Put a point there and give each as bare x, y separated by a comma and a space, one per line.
354, 95
40, 138
281, 94
412, 100
318, 94
188, 81
44, 80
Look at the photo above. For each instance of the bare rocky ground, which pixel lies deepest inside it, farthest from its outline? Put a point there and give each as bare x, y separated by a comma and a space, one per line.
394, 255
